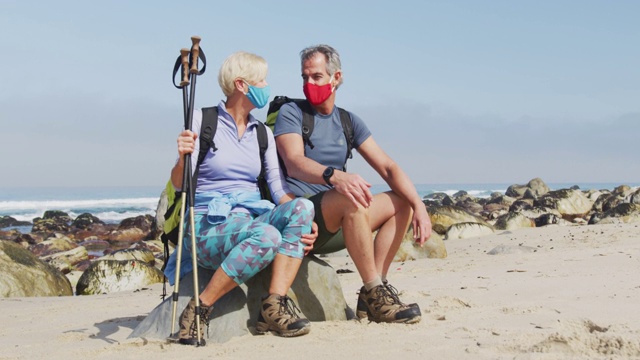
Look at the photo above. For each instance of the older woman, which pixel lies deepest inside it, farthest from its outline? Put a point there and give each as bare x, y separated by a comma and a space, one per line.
244, 234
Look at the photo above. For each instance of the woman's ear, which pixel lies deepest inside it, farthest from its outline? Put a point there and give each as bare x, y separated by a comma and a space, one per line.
240, 84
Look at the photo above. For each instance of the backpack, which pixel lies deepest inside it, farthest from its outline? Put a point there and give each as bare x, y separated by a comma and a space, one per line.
171, 227
308, 124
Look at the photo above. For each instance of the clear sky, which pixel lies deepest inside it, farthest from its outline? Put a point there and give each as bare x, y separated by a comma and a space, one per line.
454, 91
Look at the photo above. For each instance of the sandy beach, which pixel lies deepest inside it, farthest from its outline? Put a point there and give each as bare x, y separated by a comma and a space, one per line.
554, 292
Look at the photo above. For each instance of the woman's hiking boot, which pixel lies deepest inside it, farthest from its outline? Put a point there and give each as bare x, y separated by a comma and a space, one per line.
279, 314
361, 308
188, 334
381, 304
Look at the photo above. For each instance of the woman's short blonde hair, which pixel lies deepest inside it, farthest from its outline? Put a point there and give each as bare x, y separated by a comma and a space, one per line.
241, 65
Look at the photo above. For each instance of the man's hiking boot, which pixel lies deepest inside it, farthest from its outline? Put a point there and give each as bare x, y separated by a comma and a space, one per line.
188, 334
361, 308
279, 315
382, 304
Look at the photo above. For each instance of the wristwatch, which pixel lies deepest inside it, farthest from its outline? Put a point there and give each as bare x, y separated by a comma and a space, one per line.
327, 174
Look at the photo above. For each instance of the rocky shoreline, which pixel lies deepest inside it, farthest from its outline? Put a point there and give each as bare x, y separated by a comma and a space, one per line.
86, 256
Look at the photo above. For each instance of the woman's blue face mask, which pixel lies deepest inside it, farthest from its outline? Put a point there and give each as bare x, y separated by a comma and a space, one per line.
259, 97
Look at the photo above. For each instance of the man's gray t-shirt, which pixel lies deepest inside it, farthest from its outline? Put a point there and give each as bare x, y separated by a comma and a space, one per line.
330, 144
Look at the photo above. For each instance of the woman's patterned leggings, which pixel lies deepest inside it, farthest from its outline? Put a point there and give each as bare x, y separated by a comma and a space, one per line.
244, 245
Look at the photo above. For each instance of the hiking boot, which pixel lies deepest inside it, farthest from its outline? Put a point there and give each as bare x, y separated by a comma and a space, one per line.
361, 308
188, 334
279, 315
382, 305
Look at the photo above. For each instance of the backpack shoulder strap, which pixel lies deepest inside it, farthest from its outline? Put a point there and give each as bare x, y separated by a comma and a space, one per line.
347, 128
307, 121
263, 143
207, 132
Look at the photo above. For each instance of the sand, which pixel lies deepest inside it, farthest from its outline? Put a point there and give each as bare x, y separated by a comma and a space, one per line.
554, 292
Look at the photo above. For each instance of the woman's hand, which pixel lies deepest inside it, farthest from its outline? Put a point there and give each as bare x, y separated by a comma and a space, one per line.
186, 142
309, 239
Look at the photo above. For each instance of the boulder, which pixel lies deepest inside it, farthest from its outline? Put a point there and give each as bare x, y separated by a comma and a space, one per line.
316, 289
127, 235
522, 204
7, 221
49, 225
468, 230
108, 276
623, 213
433, 248
471, 205
66, 260
569, 203
444, 216
11, 235
23, 274
85, 221
513, 220
502, 200
516, 191
52, 245
161, 209
538, 187
634, 197
493, 210
131, 254
547, 219
135, 229
534, 188
57, 215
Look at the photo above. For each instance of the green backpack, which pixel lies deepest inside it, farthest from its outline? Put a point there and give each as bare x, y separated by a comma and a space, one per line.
171, 227
308, 123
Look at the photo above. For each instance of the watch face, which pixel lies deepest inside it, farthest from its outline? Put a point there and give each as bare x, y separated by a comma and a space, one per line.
327, 174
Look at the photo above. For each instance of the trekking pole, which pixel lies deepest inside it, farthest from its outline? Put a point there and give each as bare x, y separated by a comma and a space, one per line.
195, 54
183, 63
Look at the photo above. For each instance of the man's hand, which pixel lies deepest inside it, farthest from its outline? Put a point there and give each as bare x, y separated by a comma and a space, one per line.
421, 225
309, 239
354, 187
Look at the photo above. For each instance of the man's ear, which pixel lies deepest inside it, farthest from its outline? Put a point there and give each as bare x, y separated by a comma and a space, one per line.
337, 76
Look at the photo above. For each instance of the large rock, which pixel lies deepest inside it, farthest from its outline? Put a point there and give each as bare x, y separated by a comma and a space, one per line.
442, 217
513, 220
23, 274
7, 221
107, 276
66, 260
534, 188
131, 254
432, 248
86, 221
135, 229
538, 187
623, 213
52, 245
52, 221
569, 203
468, 230
316, 289
161, 209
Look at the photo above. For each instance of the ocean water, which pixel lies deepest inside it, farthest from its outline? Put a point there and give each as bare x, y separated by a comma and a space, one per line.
113, 204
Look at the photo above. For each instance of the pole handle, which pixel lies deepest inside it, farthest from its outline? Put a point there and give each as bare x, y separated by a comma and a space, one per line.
195, 53
184, 56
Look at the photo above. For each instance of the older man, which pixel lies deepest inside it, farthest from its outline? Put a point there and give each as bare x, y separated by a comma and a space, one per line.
345, 210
